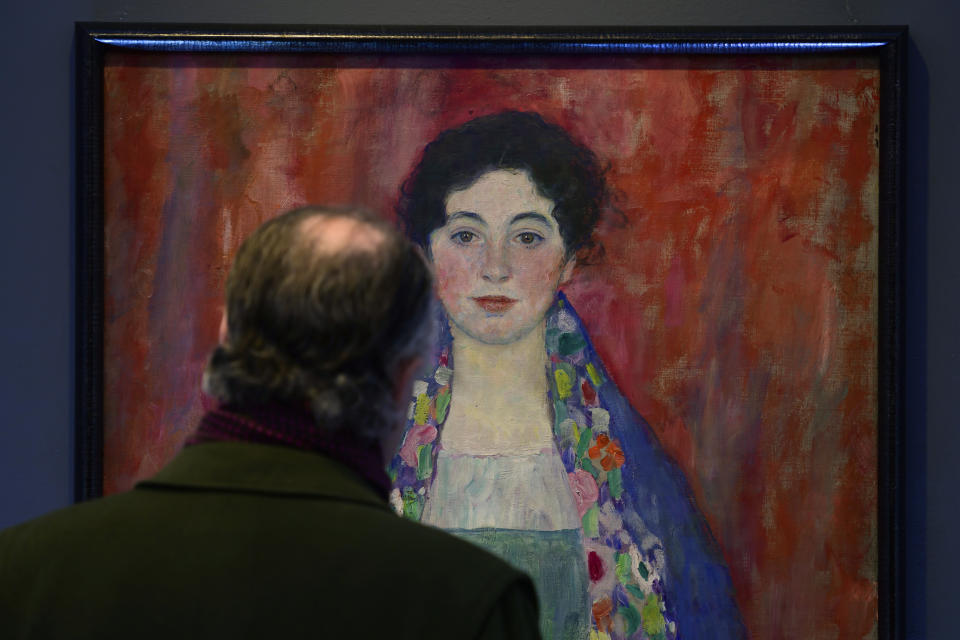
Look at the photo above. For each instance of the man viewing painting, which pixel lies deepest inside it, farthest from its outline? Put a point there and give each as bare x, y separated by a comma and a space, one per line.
273, 521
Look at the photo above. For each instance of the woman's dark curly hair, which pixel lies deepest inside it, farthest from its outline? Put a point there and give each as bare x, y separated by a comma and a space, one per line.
564, 170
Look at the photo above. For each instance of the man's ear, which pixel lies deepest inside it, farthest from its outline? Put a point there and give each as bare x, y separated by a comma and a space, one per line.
222, 336
567, 274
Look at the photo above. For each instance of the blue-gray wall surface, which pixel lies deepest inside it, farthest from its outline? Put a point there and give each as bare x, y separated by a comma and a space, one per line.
37, 232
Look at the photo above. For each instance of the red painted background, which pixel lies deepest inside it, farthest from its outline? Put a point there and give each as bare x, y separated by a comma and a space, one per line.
736, 310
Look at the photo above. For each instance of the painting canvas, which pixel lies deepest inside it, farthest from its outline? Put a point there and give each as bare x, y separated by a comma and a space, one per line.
729, 308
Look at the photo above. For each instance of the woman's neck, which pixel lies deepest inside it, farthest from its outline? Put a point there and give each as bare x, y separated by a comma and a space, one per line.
500, 402
518, 365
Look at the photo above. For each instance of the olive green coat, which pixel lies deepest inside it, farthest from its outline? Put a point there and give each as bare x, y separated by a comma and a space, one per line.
237, 540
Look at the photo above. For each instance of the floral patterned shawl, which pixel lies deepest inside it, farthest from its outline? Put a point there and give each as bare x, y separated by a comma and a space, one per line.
655, 571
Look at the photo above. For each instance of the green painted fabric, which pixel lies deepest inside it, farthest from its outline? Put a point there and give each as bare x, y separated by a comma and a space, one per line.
554, 559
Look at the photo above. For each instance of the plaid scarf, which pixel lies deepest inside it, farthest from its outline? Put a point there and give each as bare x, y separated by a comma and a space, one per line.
293, 427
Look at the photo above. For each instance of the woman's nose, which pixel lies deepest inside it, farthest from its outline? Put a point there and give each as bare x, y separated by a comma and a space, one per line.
496, 265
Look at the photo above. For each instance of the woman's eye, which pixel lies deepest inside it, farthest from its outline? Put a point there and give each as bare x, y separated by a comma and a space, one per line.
529, 238
464, 237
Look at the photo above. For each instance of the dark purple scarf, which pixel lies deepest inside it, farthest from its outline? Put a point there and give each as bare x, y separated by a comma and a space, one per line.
293, 427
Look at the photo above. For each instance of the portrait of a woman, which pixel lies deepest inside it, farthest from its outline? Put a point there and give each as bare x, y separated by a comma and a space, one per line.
518, 439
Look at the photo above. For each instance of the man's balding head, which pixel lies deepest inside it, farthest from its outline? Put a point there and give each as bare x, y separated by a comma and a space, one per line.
334, 232
322, 308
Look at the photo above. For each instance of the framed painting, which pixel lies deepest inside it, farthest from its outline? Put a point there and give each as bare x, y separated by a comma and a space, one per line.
728, 319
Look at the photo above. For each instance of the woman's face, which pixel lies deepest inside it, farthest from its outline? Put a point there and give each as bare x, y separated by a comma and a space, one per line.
499, 258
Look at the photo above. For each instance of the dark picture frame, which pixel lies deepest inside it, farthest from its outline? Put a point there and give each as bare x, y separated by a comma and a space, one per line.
885, 46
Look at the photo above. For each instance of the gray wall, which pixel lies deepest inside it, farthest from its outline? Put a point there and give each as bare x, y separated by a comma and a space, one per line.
36, 238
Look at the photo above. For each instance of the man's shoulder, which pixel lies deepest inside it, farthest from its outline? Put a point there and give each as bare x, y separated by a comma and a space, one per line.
70, 545
58, 529
64, 518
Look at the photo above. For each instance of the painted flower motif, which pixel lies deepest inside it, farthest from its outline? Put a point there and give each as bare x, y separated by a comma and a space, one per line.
418, 434
595, 566
608, 452
589, 394
585, 490
602, 441
396, 501
601, 613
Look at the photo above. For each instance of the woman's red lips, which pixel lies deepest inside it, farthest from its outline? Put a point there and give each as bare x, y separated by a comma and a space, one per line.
494, 304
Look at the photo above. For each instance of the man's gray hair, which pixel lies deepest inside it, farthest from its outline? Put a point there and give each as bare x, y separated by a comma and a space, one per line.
324, 328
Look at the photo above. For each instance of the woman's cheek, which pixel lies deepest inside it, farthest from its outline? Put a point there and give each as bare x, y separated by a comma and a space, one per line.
538, 271
452, 280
